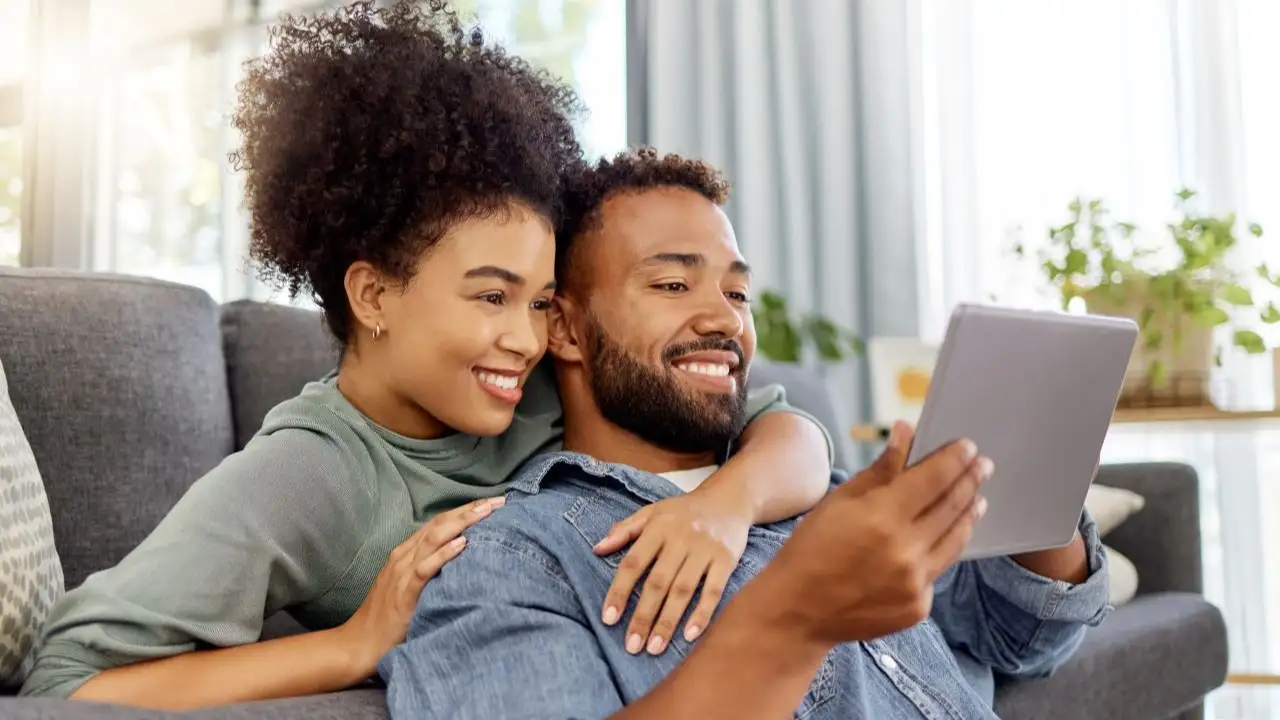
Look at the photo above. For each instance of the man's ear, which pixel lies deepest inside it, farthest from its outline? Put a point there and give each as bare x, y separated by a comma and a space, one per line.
365, 286
563, 330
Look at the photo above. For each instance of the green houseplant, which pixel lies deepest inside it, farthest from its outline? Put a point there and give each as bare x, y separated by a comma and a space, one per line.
785, 337
1179, 285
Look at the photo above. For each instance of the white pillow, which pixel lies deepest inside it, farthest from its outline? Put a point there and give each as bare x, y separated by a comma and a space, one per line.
1111, 506
1122, 578
30, 571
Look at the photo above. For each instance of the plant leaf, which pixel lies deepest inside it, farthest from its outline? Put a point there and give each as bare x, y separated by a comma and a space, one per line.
1255, 230
1249, 341
1153, 338
1211, 316
1156, 374
1237, 295
1270, 314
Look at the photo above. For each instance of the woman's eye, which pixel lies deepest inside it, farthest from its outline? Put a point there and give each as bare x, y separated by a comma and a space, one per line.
738, 297
494, 298
672, 286
542, 304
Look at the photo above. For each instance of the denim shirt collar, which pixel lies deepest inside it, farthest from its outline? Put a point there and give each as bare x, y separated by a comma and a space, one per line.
646, 486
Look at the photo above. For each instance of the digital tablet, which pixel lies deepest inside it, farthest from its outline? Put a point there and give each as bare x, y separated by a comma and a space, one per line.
1035, 391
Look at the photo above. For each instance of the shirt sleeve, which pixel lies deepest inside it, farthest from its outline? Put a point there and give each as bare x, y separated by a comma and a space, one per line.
272, 526
1018, 623
499, 631
773, 398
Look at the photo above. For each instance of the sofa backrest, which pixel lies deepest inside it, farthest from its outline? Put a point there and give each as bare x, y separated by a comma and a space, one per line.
130, 389
121, 389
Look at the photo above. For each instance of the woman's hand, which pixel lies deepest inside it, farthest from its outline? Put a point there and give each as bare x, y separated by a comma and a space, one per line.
681, 541
381, 621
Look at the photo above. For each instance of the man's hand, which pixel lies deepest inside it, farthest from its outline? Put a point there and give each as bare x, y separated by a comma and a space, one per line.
862, 565
682, 541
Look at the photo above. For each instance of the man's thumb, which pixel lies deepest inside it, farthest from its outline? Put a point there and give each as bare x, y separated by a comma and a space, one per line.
894, 458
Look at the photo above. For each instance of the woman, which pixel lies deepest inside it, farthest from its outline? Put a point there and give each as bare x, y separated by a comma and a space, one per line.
409, 178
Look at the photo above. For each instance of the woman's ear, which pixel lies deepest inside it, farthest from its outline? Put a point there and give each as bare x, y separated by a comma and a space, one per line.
365, 286
562, 330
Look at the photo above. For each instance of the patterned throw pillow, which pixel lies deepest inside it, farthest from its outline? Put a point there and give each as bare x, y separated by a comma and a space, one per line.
30, 572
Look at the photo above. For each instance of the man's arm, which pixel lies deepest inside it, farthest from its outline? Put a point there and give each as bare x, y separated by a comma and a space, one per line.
1017, 621
781, 465
499, 632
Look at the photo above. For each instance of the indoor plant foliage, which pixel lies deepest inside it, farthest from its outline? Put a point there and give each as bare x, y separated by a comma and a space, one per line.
783, 337
1178, 285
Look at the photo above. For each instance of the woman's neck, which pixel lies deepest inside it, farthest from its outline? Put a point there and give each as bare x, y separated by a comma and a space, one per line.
372, 393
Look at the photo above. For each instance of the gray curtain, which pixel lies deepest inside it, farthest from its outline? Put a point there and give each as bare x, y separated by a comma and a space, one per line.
806, 105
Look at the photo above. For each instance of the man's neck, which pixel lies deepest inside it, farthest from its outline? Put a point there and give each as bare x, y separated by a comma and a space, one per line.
609, 443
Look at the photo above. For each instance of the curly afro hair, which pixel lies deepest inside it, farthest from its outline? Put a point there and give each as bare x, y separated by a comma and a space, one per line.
636, 170
368, 132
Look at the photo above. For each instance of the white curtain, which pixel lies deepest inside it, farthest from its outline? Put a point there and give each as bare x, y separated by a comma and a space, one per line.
1024, 105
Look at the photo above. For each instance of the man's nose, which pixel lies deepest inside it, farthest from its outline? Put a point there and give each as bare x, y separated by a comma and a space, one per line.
718, 317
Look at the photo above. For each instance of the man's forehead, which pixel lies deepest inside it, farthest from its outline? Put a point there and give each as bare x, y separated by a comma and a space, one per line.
635, 225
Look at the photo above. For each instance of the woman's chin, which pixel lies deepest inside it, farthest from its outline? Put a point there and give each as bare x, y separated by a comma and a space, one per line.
486, 424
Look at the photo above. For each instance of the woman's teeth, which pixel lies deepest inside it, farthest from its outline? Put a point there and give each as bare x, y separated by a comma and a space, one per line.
506, 382
712, 369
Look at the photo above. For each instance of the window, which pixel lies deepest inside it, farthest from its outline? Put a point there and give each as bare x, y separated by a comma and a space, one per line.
13, 55
166, 203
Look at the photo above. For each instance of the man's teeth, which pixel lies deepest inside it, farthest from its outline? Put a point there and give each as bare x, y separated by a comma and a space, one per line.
506, 382
712, 369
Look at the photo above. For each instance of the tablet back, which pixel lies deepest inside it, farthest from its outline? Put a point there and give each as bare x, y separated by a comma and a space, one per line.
1035, 391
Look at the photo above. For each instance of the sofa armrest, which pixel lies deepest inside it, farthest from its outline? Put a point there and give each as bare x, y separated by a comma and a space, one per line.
1162, 539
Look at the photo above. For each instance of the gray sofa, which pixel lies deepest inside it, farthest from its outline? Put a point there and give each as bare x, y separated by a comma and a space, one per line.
130, 389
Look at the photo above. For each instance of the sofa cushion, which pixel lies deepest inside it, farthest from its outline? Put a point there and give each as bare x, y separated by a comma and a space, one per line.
1149, 659
121, 387
807, 390
272, 351
30, 573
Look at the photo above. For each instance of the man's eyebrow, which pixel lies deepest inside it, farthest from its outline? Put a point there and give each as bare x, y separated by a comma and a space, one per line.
691, 260
503, 274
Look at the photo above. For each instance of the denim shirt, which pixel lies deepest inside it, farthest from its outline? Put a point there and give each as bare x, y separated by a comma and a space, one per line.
512, 628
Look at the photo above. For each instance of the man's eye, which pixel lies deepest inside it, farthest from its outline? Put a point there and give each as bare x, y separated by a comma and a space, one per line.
672, 287
542, 304
738, 297
494, 298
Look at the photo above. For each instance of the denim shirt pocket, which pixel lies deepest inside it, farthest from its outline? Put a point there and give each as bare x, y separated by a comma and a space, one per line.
594, 515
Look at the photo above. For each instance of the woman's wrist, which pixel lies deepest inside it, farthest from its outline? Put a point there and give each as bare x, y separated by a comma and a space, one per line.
356, 657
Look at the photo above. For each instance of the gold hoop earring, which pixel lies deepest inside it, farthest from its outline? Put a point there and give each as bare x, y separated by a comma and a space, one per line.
377, 330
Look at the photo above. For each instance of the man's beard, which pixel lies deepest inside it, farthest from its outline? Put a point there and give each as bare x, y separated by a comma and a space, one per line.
650, 402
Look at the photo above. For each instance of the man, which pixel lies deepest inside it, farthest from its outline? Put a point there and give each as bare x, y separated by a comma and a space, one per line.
861, 613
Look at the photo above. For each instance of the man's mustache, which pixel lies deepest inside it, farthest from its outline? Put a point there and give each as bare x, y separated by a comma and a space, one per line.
703, 345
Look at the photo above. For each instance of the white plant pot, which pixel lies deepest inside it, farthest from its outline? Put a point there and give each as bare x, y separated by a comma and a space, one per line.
1188, 363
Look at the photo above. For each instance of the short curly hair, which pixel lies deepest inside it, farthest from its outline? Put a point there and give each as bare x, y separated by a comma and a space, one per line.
368, 132
634, 170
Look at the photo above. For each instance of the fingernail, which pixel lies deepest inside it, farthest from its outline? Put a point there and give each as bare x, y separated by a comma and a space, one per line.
498, 502
985, 467
656, 645
458, 542
603, 542
980, 506
610, 615
969, 449
692, 632
635, 644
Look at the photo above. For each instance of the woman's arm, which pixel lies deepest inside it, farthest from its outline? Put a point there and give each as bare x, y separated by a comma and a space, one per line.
781, 469
306, 664
270, 527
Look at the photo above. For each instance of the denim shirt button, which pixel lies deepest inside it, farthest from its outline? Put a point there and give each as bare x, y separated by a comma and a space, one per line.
888, 663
